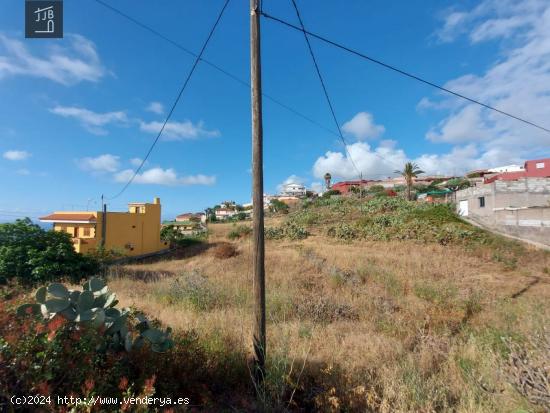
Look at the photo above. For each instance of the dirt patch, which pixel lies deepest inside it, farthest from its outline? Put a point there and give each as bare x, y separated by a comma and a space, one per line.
225, 250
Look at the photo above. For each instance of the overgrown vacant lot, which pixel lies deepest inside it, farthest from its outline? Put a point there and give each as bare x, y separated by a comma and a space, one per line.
375, 306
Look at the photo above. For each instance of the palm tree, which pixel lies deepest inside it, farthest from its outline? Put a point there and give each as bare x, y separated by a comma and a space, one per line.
410, 172
328, 177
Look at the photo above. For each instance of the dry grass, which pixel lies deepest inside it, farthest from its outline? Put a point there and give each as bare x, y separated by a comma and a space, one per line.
363, 326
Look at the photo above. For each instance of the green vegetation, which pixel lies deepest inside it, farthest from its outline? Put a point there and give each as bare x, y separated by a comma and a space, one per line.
171, 234
239, 231
409, 172
29, 254
289, 230
388, 218
94, 307
278, 206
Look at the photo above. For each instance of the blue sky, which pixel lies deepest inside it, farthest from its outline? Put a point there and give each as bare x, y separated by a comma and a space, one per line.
77, 113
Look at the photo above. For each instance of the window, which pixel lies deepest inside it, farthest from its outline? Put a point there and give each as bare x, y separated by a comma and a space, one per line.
86, 232
481, 202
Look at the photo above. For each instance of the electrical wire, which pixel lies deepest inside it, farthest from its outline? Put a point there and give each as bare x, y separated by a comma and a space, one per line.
195, 63
401, 71
320, 76
211, 64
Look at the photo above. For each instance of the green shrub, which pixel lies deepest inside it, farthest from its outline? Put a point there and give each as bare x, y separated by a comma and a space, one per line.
289, 230
94, 307
171, 234
195, 290
239, 231
30, 255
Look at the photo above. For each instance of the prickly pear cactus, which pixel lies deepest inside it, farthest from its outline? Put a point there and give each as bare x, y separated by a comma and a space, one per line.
94, 306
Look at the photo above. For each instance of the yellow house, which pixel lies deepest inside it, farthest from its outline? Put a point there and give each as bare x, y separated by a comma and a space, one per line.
132, 233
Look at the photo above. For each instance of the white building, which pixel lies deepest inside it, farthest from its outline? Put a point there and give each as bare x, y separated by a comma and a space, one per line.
293, 190
507, 168
224, 213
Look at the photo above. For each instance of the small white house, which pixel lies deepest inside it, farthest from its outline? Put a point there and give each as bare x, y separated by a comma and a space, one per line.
224, 213
293, 190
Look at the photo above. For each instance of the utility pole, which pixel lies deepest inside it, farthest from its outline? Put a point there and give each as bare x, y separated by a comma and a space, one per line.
258, 253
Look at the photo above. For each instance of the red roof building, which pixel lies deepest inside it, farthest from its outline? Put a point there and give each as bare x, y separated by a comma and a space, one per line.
345, 186
538, 168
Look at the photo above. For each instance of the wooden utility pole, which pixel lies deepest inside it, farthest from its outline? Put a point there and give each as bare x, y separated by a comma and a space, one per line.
258, 253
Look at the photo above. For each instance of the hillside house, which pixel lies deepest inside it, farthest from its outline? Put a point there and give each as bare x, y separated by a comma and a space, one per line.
345, 187
191, 216
538, 168
132, 233
225, 213
519, 207
293, 189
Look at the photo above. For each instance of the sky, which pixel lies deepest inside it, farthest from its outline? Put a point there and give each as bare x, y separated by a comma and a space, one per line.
78, 114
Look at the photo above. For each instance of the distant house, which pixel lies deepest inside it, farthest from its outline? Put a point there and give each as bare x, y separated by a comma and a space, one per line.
132, 233
538, 168
224, 213
191, 216
293, 189
515, 204
345, 187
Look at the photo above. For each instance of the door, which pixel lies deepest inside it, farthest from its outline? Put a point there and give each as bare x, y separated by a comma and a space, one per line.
463, 208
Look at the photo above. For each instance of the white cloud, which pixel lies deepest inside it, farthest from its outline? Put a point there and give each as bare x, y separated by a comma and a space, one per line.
15, 155
155, 107
136, 161
101, 163
76, 61
518, 83
169, 177
23, 171
384, 160
372, 162
179, 130
317, 186
94, 122
362, 126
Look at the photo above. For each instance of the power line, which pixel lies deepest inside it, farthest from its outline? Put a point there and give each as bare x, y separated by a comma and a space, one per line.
400, 71
222, 70
209, 63
195, 63
324, 87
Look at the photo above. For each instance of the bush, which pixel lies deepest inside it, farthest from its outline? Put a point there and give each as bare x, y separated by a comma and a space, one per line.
30, 255
195, 290
290, 230
171, 234
93, 307
278, 206
330, 193
240, 231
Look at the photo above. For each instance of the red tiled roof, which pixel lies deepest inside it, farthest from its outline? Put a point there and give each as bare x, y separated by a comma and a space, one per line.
69, 217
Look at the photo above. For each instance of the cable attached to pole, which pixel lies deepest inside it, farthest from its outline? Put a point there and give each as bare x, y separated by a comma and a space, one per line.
402, 72
320, 76
195, 63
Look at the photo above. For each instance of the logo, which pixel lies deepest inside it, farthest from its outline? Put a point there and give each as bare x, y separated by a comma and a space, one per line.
43, 19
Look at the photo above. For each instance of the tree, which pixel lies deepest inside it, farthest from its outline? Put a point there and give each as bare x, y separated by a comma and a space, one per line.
410, 172
30, 254
456, 184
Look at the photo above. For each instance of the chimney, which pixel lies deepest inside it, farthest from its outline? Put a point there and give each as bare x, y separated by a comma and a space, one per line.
156, 201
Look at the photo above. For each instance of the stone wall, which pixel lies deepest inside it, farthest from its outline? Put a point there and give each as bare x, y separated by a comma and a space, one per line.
530, 223
520, 208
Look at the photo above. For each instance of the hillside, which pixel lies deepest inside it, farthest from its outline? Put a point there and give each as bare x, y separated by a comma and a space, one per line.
381, 305
376, 305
